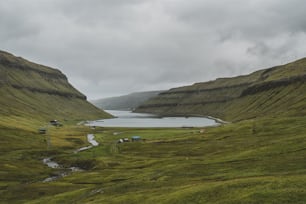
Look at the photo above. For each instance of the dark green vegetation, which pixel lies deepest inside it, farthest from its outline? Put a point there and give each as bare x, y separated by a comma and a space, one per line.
254, 161
275, 91
126, 102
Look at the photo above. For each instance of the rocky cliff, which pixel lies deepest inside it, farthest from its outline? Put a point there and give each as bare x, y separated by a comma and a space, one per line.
278, 90
33, 90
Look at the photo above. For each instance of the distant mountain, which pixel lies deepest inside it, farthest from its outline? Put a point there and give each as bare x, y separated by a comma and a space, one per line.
276, 91
35, 91
125, 102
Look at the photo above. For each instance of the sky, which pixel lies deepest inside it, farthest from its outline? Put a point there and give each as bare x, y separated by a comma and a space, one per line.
115, 47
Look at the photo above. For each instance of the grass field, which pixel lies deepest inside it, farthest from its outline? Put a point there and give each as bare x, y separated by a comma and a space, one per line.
259, 158
254, 161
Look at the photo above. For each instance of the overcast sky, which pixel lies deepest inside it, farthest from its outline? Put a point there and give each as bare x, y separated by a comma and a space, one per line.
114, 47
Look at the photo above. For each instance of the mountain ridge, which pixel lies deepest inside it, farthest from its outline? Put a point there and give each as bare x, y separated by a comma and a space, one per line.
125, 102
33, 90
226, 97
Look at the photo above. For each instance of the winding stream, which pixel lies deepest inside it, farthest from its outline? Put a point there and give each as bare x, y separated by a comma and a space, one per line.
50, 163
66, 171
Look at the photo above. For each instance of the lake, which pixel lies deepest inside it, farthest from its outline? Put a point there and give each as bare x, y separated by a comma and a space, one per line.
130, 119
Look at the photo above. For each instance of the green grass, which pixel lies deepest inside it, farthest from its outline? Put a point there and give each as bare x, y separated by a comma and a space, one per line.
254, 161
260, 159
33, 91
239, 98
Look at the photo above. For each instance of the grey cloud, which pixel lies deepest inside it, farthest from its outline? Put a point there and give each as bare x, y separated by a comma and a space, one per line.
114, 47
13, 25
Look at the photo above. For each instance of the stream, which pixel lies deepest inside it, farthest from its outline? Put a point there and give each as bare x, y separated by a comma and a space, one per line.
91, 140
66, 171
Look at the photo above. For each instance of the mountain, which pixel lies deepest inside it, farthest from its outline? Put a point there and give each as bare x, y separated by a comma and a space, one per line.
276, 91
125, 102
35, 91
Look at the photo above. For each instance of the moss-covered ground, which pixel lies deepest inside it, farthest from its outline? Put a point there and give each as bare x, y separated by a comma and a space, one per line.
254, 161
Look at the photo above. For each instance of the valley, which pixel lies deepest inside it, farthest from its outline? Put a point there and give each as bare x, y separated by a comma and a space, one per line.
257, 157
254, 161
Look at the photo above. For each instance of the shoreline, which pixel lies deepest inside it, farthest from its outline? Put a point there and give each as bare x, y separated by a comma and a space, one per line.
218, 120
129, 119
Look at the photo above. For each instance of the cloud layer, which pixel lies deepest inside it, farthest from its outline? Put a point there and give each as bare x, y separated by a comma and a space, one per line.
113, 47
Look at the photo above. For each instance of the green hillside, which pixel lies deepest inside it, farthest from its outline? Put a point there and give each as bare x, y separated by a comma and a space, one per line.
125, 102
29, 90
31, 96
277, 91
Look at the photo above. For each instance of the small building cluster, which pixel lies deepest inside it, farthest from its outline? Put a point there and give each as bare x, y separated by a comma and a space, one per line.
122, 140
136, 138
133, 139
42, 130
55, 123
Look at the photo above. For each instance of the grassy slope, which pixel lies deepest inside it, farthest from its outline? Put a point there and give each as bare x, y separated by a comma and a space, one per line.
35, 91
254, 161
223, 97
22, 150
31, 96
45, 107
18, 71
281, 101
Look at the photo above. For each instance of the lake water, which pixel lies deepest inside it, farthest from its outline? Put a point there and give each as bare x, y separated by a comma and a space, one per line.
130, 119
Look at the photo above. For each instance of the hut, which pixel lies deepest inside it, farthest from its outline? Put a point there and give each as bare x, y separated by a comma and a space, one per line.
136, 138
42, 130
123, 140
55, 123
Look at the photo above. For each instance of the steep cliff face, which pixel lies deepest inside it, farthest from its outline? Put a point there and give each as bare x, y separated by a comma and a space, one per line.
33, 90
275, 91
